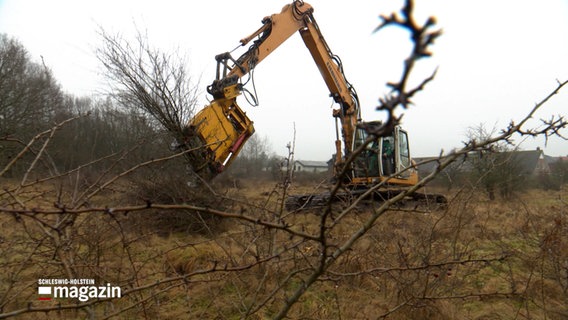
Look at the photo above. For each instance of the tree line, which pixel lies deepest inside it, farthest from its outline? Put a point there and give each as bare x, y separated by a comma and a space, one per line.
103, 129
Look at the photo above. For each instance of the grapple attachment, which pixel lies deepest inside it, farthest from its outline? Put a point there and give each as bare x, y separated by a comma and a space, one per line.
216, 135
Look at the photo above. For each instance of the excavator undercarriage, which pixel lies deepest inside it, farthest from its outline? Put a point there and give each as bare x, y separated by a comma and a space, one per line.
417, 201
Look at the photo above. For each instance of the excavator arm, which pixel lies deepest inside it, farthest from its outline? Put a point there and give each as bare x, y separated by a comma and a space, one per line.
218, 132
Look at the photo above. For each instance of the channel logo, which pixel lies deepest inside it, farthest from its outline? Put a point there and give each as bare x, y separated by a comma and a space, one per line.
81, 289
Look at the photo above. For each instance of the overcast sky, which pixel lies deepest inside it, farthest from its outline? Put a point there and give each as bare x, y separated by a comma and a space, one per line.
496, 59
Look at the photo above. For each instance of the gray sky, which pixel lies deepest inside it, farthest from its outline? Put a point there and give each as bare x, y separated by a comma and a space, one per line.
496, 59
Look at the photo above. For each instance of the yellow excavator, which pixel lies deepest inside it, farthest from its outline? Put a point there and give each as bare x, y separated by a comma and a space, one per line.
219, 131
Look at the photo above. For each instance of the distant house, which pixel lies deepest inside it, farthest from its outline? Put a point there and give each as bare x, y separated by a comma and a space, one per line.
531, 162
310, 166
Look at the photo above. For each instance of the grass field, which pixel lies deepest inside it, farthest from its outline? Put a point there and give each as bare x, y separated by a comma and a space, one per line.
477, 259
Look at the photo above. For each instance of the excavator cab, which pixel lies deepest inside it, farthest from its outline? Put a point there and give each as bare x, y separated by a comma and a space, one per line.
382, 158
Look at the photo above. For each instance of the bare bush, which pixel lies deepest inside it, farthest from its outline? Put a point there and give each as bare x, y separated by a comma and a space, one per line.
165, 185
149, 81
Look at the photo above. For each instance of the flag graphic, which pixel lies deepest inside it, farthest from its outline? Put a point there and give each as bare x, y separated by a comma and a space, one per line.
44, 291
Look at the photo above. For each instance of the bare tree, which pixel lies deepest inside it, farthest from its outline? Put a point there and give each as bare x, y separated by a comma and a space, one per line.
149, 81
30, 98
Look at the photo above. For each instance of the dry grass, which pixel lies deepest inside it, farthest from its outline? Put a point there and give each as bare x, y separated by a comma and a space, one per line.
476, 260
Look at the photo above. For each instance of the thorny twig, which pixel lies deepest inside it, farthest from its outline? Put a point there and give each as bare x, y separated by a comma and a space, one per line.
422, 39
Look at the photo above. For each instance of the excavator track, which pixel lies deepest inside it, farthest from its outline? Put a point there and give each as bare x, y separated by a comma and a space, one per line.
417, 201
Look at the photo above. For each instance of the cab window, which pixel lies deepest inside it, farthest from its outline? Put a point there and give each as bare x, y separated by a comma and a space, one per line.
403, 149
